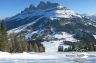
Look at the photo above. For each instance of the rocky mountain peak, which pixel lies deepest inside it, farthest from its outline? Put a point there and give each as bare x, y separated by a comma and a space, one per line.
32, 6
42, 5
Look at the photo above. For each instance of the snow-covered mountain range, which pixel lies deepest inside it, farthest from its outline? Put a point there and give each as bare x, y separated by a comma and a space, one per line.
48, 10
92, 17
52, 21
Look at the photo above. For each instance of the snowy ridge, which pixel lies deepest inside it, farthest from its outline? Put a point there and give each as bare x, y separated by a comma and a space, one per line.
62, 13
58, 11
28, 13
52, 13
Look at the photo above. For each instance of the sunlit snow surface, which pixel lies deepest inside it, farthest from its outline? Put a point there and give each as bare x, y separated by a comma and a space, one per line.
46, 58
66, 36
52, 46
94, 36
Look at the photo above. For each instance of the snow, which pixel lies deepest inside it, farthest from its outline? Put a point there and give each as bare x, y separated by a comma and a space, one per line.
42, 56
52, 13
65, 36
32, 23
58, 57
29, 13
30, 34
23, 27
25, 55
52, 46
94, 36
61, 13
60, 6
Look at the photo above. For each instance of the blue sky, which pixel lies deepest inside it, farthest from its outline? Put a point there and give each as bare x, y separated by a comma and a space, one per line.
9, 8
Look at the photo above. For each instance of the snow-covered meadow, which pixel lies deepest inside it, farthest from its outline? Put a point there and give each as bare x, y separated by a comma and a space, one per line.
46, 57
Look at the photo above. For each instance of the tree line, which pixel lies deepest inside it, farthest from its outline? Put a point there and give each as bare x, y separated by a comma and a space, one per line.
16, 42
80, 46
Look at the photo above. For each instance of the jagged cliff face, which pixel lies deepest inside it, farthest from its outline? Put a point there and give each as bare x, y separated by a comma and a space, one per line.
50, 19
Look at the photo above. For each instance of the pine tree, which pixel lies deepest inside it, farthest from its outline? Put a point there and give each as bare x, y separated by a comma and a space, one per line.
12, 42
31, 49
4, 45
25, 44
41, 49
36, 49
22, 43
15, 43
